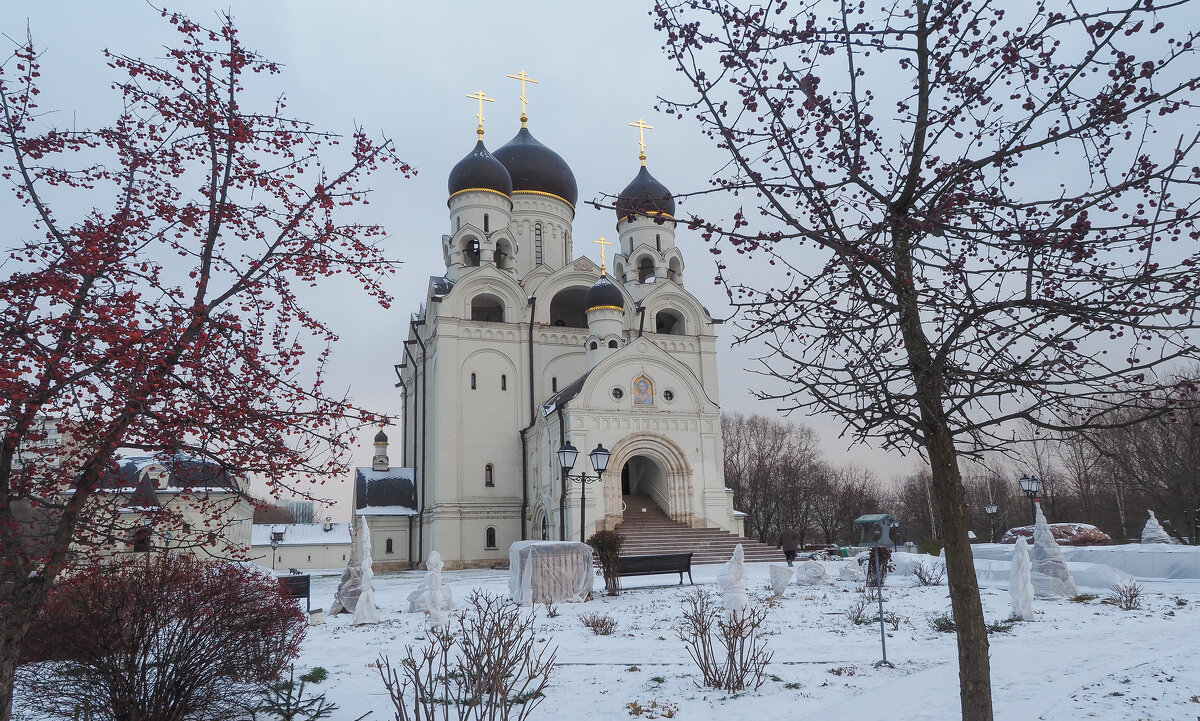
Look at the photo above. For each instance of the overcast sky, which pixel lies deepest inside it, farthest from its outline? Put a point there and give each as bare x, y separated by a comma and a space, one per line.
404, 69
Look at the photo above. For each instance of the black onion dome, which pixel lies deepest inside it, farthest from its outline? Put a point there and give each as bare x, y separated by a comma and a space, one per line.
534, 167
604, 293
381, 437
480, 171
645, 196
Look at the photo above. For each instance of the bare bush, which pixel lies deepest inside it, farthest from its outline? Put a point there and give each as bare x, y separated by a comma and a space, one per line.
929, 575
739, 663
489, 668
1127, 597
857, 612
600, 625
162, 636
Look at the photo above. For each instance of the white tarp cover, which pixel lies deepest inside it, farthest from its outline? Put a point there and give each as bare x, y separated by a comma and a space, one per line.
1051, 578
364, 609
994, 572
811, 573
781, 576
732, 580
1020, 584
851, 572
432, 596
349, 588
1154, 532
1148, 562
546, 572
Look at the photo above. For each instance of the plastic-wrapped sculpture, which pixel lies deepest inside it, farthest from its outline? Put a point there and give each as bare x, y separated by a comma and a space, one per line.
732, 581
364, 609
1154, 532
346, 596
1050, 576
1020, 582
851, 572
811, 573
432, 596
781, 576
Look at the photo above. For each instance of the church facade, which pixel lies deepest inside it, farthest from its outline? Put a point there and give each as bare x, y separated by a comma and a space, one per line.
524, 344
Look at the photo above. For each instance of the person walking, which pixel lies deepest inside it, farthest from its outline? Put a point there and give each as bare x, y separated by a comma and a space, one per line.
789, 541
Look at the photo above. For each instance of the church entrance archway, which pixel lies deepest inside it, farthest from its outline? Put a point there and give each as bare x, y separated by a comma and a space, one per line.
641, 476
651, 465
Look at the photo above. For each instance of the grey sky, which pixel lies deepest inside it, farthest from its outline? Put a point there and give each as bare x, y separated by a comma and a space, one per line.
404, 69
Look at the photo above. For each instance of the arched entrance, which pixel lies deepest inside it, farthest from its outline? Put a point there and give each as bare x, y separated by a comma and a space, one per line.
651, 465
642, 476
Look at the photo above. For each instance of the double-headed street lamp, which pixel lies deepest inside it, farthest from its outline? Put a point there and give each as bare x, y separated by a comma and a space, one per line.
566, 459
991, 509
1031, 485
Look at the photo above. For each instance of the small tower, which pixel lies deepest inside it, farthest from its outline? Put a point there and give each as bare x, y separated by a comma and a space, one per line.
646, 226
605, 314
380, 462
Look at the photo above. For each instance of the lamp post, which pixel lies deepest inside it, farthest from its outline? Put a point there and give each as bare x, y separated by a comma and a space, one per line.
566, 460
990, 509
276, 537
1031, 485
893, 533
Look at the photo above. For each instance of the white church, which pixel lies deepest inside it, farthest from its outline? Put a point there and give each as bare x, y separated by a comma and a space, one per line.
523, 346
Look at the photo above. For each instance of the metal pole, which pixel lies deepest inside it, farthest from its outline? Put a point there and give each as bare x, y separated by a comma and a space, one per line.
1033, 508
582, 503
879, 594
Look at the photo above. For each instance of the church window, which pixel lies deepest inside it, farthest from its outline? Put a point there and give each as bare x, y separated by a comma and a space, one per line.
487, 308
503, 382
485, 223
472, 381
471, 253
593, 346
490, 537
645, 270
310, 559
141, 539
488, 479
668, 395
569, 305
537, 244
668, 322
458, 226
387, 546
658, 241
618, 393
612, 344
554, 385
343, 557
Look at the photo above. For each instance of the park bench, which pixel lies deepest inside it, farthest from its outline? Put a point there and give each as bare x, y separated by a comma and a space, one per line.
680, 563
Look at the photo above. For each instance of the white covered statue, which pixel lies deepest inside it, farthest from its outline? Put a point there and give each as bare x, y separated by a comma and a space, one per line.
732, 581
1020, 582
1049, 573
851, 572
349, 588
432, 596
364, 609
781, 576
1154, 532
811, 573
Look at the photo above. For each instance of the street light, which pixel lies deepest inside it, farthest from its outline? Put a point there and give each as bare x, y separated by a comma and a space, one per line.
1031, 485
894, 532
566, 459
276, 538
991, 509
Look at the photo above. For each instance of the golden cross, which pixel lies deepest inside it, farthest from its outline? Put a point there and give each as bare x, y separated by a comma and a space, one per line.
602, 242
478, 95
524, 79
642, 128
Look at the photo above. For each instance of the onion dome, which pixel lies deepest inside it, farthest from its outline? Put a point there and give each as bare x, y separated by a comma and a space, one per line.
480, 171
537, 169
645, 196
381, 437
603, 294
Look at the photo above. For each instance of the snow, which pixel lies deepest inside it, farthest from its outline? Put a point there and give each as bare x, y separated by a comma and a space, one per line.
300, 534
1076, 660
1154, 532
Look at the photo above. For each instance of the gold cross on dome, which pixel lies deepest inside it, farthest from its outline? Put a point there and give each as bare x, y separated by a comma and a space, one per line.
478, 95
524, 79
602, 243
642, 128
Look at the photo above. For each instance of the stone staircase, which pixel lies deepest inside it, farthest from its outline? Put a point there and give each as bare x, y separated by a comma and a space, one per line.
651, 531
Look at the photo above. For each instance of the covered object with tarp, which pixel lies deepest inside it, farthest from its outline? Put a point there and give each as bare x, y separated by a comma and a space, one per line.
546, 572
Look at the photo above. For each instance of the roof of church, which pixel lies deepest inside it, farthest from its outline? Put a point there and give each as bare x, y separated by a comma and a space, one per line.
480, 170
645, 196
377, 491
300, 534
381, 437
603, 293
536, 168
565, 395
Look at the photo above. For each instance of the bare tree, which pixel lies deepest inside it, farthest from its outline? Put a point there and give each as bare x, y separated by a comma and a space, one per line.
962, 216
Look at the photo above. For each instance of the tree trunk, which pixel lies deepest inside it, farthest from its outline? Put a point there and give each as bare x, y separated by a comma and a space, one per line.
13, 627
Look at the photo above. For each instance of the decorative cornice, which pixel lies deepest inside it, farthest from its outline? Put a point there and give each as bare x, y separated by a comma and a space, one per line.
481, 190
548, 195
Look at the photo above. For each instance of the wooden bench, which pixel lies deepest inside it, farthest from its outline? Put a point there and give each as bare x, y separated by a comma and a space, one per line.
680, 563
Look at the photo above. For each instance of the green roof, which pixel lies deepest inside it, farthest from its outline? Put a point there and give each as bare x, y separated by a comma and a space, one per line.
872, 518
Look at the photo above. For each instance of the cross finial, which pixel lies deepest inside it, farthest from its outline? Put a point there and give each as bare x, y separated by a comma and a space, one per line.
602, 243
524, 79
642, 128
478, 95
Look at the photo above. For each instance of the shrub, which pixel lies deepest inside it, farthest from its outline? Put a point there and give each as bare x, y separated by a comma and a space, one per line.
1002, 626
878, 561
162, 636
930, 546
608, 550
929, 575
488, 669
284, 700
600, 625
1084, 597
943, 622
743, 656
857, 612
1127, 597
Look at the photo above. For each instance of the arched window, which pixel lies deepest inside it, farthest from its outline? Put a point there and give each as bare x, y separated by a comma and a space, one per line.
569, 305
487, 308
612, 344
645, 270
503, 382
485, 222
387, 546
658, 241
471, 253
554, 385
472, 381
537, 244
490, 537
488, 479
141, 539
668, 322
458, 225
593, 346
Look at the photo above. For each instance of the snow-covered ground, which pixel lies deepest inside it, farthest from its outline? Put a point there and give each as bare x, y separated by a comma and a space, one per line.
1077, 660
